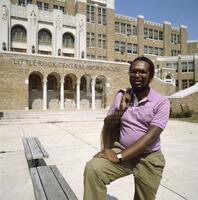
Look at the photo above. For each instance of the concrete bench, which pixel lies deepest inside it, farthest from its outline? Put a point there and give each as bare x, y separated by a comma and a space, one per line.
34, 150
49, 184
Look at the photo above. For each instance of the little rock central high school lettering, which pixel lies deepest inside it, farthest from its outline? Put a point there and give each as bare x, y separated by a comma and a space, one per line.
68, 65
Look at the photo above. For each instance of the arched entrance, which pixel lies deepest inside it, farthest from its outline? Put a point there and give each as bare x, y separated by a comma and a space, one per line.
100, 92
53, 91
70, 91
35, 91
85, 92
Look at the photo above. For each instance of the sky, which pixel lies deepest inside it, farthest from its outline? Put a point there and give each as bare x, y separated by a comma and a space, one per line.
178, 12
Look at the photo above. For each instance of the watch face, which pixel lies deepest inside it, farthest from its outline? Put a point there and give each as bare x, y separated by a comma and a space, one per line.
119, 155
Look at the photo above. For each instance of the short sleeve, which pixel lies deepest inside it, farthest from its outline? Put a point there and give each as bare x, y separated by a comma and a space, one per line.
115, 104
161, 115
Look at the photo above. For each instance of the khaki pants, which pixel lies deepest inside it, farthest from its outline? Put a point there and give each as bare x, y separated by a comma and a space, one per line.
146, 168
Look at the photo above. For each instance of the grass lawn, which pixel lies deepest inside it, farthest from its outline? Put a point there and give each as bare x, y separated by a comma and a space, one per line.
194, 118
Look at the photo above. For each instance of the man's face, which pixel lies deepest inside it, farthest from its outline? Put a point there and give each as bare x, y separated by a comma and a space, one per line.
139, 75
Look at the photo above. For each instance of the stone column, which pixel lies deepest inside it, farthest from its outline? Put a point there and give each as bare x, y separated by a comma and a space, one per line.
44, 93
167, 38
93, 106
78, 94
62, 94
140, 37
179, 78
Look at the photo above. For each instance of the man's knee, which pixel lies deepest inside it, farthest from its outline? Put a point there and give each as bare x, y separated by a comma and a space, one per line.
94, 168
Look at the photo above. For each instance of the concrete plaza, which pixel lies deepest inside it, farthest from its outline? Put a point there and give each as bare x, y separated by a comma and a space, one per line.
71, 144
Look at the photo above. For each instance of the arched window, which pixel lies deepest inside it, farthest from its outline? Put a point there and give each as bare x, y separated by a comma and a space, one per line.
83, 84
35, 82
68, 83
52, 83
68, 40
44, 37
168, 76
19, 34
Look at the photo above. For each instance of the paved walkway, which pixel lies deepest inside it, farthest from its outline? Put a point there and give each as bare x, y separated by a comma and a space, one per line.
71, 144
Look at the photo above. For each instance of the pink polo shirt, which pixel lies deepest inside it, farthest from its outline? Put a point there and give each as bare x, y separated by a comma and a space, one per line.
154, 109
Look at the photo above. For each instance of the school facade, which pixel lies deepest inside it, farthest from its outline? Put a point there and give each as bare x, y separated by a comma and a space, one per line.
66, 54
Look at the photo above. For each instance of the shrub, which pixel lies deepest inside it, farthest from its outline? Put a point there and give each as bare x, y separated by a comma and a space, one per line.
185, 112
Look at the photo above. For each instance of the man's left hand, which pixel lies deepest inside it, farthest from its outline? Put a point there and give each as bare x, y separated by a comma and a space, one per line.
107, 154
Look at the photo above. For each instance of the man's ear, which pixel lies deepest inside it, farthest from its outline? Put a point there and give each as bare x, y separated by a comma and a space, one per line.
150, 80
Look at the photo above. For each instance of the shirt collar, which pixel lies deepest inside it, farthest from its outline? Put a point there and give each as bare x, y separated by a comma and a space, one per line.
149, 97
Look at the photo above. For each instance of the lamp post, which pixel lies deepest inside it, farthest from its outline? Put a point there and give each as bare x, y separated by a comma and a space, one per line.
33, 49
59, 52
4, 46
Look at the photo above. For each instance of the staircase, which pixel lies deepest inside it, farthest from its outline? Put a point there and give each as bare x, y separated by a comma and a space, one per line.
29, 117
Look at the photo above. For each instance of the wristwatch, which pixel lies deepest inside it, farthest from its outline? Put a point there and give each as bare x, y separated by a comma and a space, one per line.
119, 156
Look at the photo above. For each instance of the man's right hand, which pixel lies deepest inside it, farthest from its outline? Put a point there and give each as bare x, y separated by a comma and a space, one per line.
125, 101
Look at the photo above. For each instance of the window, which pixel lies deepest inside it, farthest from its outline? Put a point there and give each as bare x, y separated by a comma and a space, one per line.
62, 9
160, 35
145, 49
68, 40
19, 34
145, 33
90, 14
150, 50
59, 8
90, 39
156, 34
176, 85
46, 6
172, 66
123, 28
90, 56
44, 37
184, 84
35, 82
134, 30
117, 27
55, 7
154, 50
129, 48
42, 5
153, 34
160, 51
102, 18
190, 67
135, 49
175, 38
117, 46
191, 82
51, 83
25, 2
68, 54
102, 41
122, 47
150, 33
184, 67
129, 31
175, 52
102, 57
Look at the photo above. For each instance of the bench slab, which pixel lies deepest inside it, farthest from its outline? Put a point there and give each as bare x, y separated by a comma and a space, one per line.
49, 184
34, 149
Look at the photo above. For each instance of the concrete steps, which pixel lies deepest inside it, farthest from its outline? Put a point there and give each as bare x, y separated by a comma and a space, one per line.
24, 117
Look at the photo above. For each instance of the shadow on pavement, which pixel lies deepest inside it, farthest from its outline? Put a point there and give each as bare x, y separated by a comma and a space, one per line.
109, 197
